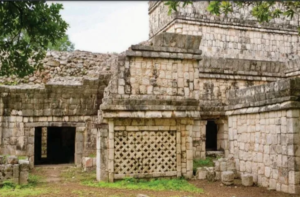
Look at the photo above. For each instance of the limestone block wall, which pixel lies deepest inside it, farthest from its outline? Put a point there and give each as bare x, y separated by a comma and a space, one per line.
266, 145
23, 108
238, 35
237, 43
62, 66
199, 132
240, 18
13, 169
19, 132
207, 80
150, 148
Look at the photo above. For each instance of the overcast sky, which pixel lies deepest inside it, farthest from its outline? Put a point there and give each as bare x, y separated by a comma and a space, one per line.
103, 27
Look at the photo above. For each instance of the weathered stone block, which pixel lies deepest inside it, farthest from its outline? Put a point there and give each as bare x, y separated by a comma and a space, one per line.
12, 160
247, 180
201, 173
227, 177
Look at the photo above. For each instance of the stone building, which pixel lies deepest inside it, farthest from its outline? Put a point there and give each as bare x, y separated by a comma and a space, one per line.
200, 83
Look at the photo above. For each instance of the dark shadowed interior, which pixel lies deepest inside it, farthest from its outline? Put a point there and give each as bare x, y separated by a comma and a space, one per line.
60, 145
211, 136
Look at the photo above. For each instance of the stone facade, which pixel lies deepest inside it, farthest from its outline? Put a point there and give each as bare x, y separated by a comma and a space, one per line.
62, 103
200, 80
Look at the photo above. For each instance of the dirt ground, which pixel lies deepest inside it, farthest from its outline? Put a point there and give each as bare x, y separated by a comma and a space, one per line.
64, 181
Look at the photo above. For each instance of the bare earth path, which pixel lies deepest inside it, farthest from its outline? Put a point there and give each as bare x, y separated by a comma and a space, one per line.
64, 181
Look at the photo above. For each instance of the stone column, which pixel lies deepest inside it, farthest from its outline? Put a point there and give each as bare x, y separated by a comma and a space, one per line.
24, 172
79, 145
98, 153
110, 151
178, 146
30, 133
189, 151
222, 136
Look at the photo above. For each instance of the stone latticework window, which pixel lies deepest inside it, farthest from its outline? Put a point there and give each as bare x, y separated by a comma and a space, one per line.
145, 152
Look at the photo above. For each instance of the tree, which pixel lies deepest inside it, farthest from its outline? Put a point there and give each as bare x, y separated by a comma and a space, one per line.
263, 11
26, 31
63, 44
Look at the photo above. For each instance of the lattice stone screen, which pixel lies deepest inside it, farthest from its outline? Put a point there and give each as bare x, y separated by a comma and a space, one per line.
145, 153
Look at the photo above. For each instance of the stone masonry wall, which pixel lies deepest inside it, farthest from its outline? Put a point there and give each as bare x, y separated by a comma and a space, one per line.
236, 36
25, 107
13, 169
266, 145
67, 67
228, 42
240, 18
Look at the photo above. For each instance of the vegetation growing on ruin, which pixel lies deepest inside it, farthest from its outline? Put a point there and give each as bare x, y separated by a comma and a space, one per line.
153, 184
263, 11
28, 30
208, 162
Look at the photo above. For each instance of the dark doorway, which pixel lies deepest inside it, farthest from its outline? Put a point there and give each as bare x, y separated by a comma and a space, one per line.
211, 136
54, 145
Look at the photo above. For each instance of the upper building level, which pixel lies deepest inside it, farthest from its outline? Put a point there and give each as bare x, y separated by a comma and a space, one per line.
238, 35
240, 18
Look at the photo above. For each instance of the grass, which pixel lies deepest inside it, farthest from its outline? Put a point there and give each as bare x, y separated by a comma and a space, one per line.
75, 174
12, 189
208, 162
153, 184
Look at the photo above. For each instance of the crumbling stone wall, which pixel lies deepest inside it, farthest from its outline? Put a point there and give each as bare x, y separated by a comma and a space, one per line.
24, 107
67, 67
13, 169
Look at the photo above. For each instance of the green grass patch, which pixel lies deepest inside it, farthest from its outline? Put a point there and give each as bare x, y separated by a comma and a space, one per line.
208, 162
12, 189
153, 184
22, 192
74, 174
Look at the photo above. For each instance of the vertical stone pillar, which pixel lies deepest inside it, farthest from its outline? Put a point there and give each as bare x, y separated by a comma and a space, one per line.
222, 136
110, 151
30, 133
203, 139
98, 153
178, 146
189, 151
79, 145
24, 172
197, 139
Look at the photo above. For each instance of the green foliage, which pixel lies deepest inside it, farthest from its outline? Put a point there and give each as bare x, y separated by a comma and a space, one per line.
263, 11
10, 188
63, 44
27, 29
173, 5
8, 185
153, 184
208, 162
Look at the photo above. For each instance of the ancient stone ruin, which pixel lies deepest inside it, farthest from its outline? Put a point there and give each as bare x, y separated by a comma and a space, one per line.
201, 84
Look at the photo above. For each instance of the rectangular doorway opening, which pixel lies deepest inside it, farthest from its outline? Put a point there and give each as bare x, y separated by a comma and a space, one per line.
54, 145
211, 136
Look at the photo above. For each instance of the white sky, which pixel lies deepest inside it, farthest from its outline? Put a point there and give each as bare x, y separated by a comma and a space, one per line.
103, 26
